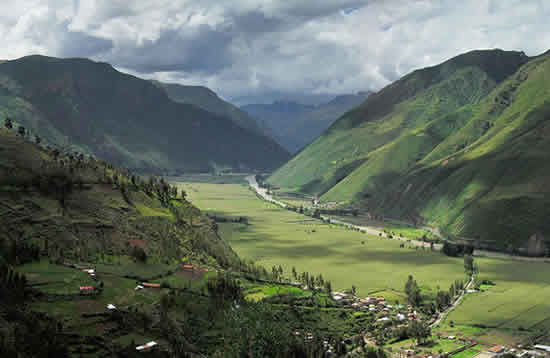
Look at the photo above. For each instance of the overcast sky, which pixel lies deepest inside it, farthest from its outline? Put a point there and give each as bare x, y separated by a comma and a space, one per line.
258, 50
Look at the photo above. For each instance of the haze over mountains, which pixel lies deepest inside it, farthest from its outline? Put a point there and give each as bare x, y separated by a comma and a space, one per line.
462, 146
91, 107
295, 124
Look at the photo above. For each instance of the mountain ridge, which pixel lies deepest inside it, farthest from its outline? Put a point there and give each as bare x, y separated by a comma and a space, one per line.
439, 153
294, 125
129, 121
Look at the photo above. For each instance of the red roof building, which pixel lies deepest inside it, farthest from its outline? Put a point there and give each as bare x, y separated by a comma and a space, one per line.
150, 285
84, 290
497, 350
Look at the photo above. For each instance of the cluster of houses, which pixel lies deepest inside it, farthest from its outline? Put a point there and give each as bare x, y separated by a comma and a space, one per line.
377, 305
519, 352
537, 351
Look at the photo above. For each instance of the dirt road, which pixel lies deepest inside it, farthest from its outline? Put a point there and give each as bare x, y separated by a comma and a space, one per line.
262, 191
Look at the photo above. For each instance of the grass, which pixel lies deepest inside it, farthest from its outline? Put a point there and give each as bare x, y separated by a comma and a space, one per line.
444, 345
148, 211
55, 279
468, 353
275, 236
462, 145
390, 226
125, 266
278, 237
256, 292
519, 300
229, 178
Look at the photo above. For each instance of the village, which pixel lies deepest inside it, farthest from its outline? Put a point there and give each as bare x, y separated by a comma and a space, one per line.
188, 270
398, 316
385, 318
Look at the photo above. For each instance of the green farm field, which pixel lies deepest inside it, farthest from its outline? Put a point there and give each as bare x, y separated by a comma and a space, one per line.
275, 236
520, 299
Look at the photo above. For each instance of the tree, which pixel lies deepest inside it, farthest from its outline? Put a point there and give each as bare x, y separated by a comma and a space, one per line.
139, 254
37, 139
353, 290
413, 292
468, 264
317, 214
8, 123
419, 330
21, 131
443, 299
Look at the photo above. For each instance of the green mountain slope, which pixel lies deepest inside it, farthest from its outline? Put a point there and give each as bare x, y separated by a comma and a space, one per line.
76, 208
208, 100
295, 125
93, 108
460, 146
95, 261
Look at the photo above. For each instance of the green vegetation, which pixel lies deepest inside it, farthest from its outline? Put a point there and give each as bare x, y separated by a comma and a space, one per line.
468, 353
208, 100
295, 125
95, 261
460, 146
517, 301
274, 236
89, 107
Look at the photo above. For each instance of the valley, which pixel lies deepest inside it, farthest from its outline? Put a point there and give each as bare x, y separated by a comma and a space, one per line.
509, 310
274, 179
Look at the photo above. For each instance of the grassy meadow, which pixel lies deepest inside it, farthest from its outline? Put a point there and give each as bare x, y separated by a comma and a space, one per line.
519, 300
516, 303
279, 237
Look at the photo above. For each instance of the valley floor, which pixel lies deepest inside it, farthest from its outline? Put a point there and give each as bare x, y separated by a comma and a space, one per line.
514, 307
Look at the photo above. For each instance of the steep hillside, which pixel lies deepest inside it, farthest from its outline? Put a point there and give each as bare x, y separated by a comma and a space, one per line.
459, 146
208, 100
72, 207
93, 108
295, 125
97, 262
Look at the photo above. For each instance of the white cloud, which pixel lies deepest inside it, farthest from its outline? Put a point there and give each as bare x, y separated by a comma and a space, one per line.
244, 48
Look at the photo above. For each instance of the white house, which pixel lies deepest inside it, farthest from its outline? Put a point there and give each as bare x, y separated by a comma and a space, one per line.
147, 346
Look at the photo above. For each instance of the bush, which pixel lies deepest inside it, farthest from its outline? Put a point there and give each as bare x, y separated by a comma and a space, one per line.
139, 254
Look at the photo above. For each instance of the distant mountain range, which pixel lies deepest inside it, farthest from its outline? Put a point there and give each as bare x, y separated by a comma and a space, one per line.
295, 125
462, 146
91, 107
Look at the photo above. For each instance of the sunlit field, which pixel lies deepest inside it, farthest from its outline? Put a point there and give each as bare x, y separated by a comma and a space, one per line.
275, 236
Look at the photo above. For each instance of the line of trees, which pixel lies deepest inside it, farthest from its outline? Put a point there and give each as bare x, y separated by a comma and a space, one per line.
414, 298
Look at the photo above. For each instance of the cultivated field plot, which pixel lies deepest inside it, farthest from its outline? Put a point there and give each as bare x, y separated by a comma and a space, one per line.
393, 227
55, 279
519, 300
275, 236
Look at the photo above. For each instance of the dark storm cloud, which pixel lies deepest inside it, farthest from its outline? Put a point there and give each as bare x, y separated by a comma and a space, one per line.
203, 50
79, 44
